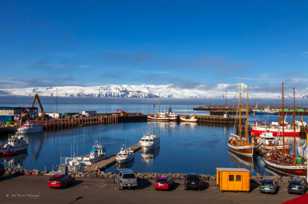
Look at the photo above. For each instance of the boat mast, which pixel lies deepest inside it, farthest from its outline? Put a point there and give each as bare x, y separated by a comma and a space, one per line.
294, 128
247, 116
282, 114
240, 113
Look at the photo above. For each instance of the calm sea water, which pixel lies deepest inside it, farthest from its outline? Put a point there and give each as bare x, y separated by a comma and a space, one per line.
183, 148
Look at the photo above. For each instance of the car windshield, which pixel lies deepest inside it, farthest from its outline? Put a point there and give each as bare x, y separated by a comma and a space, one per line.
193, 178
128, 176
296, 182
162, 180
267, 182
56, 178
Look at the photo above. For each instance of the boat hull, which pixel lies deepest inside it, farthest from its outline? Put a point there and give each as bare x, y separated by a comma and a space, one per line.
299, 170
258, 132
162, 119
4, 153
243, 150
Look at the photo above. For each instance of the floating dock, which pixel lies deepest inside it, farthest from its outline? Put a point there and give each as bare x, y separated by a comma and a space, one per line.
109, 161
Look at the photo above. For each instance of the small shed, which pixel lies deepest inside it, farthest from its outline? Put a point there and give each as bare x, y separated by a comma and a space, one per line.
233, 179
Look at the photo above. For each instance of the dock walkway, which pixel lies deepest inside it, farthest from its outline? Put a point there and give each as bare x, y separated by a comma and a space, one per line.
109, 161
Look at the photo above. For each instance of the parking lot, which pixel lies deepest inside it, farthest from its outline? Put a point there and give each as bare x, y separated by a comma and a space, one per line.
33, 189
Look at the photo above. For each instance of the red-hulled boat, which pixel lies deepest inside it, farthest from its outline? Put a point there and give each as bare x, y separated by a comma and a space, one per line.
15, 145
276, 129
279, 160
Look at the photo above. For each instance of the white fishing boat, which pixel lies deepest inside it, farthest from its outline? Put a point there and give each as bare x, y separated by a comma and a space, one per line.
189, 119
15, 145
268, 141
164, 116
78, 163
125, 155
97, 154
149, 141
29, 128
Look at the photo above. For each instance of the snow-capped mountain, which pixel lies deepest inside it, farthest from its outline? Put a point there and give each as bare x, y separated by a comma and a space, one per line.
141, 91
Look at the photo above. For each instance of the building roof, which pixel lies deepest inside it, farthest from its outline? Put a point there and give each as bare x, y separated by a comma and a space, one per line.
232, 169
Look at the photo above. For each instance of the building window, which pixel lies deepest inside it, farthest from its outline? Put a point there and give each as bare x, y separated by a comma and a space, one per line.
231, 177
238, 178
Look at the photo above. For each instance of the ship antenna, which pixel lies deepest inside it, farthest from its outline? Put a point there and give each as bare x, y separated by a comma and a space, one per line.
247, 116
240, 112
294, 128
282, 115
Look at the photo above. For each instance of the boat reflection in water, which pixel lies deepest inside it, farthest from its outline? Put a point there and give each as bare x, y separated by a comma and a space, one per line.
125, 165
149, 154
255, 164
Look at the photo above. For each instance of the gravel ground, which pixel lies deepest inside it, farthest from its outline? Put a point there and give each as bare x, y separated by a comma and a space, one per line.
33, 189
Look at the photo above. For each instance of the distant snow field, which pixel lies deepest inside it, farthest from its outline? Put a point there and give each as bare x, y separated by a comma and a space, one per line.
144, 91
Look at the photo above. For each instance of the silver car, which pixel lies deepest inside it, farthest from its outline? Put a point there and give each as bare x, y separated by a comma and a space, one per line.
268, 186
126, 178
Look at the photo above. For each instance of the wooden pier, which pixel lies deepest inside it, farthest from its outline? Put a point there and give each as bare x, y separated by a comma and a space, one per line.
217, 120
74, 122
109, 161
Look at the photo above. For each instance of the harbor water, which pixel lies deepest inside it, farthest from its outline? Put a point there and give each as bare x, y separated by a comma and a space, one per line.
185, 148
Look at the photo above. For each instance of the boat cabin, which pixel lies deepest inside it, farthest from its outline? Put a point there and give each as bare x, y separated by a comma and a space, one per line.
233, 179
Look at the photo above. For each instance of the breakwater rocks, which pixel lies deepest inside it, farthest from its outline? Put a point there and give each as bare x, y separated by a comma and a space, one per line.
147, 176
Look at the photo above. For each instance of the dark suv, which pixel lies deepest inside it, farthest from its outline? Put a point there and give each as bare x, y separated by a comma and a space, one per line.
193, 182
297, 185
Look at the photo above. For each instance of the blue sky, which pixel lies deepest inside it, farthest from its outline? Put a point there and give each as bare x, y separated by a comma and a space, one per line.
261, 42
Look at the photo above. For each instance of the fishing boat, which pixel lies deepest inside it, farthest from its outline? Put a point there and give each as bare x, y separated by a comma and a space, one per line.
189, 119
30, 127
125, 155
97, 154
168, 116
79, 162
280, 160
276, 129
149, 141
268, 142
16, 145
238, 144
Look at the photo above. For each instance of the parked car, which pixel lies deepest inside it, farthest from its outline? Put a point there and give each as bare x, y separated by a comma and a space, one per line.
126, 178
193, 182
2, 170
268, 186
297, 185
60, 181
164, 183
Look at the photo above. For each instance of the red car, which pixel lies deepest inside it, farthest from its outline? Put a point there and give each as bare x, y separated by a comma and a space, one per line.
163, 183
60, 181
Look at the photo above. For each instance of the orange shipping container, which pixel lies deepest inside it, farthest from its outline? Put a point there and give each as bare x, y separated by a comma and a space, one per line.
233, 179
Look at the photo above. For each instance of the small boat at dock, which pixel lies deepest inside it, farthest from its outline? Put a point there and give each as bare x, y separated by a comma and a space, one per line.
16, 145
189, 119
29, 128
268, 142
149, 141
125, 155
80, 162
